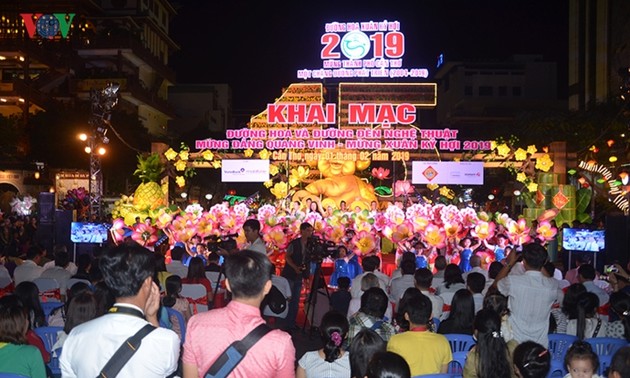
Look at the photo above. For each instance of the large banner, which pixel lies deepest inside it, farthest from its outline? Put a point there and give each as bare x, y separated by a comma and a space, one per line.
447, 173
244, 170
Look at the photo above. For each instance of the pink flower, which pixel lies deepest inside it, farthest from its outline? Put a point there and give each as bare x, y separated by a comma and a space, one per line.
380, 173
118, 229
144, 235
483, 230
403, 188
434, 236
546, 231
518, 231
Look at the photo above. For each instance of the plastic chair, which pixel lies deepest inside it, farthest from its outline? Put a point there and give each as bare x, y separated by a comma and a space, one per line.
559, 343
197, 296
49, 337
605, 347
172, 313
212, 277
436, 323
48, 289
460, 342
457, 365
72, 281
49, 307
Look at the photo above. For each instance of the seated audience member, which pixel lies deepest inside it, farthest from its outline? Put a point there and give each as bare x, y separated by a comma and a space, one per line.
572, 274
491, 357
28, 293
475, 267
16, 356
59, 273
440, 266
587, 324
620, 365
365, 344
620, 306
531, 360
402, 283
332, 360
581, 361
128, 272
498, 303
586, 275
424, 280
176, 266
29, 270
568, 308
282, 284
197, 275
340, 299
104, 298
57, 317
248, 279
493, 271
453, 281
160, 271
82, 308
368, 281
374, 302
176, 302
400, 323
436, 351
370, 265
475, 283
405, 256
462, 315
84, 264
71, 267
388, 365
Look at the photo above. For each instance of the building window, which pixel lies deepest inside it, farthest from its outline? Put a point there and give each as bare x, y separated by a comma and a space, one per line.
485, 90
502, 91
468, 90
517, 91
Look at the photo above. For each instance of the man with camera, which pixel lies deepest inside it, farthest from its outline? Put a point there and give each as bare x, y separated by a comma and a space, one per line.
293, 270
251, 229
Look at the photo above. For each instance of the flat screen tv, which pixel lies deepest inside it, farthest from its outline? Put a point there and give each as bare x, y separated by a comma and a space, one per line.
583, 240
82, 232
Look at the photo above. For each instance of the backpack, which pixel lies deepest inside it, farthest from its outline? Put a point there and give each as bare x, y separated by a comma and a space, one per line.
276, 300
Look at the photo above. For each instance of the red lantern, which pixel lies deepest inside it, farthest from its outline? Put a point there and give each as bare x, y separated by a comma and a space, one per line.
231, 192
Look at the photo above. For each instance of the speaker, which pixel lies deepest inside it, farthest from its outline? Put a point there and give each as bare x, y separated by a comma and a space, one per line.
617, 239
46, 202
63, 221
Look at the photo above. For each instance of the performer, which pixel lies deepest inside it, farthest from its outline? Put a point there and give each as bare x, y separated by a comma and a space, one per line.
465, 252
346, 265
499, 248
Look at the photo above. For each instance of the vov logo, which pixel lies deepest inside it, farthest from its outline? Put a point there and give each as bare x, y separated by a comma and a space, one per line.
47, 25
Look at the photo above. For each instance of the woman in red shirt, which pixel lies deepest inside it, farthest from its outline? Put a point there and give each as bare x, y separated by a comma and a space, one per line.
197, 275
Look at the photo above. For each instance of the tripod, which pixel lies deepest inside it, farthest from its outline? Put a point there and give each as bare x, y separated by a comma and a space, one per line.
317, 283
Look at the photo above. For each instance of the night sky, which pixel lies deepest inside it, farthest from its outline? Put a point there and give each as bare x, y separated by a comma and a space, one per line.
257, 49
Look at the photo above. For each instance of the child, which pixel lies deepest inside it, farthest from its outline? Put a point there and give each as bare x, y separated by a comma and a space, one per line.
465, 252
173, 300
499, 248
340, 299
346, 265
581, 361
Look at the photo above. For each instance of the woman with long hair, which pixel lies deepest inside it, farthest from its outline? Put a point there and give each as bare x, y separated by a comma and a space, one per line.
620, 306
197, 275
332, 360
82, 308
57, 318
568, 310
364, 345
176, 301
453, 281
531, 360
491, 356
16, 356
499, 304
587, 324
28, 293
388, 365
462, 314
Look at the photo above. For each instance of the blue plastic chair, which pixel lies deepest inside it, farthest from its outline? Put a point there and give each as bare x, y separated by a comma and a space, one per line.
49, 337
559, 343
180, 320
457, 365
49, 307
436, 323
605, 347
460, 342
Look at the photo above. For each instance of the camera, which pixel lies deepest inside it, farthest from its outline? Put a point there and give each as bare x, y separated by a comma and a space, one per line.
225, 242
317, 249
610, 269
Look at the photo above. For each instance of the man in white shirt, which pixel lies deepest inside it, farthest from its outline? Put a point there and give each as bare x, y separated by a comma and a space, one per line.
400, 284
369, 264
29, 270
128, 272
176, 266
475, 264
251, 229
59, 272
71, 267
440, 266
476, 283
423, 279
530, 295
586, 275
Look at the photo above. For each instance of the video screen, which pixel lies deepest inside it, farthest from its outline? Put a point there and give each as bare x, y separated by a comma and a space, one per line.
81, 232
578, 239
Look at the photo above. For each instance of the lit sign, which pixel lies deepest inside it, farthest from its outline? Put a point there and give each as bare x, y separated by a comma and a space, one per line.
244, 170
360, 114
363, 50
447, 173
47, 25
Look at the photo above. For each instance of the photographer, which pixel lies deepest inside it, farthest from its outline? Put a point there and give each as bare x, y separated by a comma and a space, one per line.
293, 269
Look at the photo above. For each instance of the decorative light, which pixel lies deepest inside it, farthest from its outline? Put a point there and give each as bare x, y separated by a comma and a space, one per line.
601, 181
21, 100
88, 149
571, 171
3, 100
208, 196
184, 195
490, 197
625, 177
517, 192
582, 180
83, 137
612, 159
36, 175
51, 189
102, 151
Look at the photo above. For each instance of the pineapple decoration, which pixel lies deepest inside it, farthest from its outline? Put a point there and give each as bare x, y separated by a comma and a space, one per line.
149, 195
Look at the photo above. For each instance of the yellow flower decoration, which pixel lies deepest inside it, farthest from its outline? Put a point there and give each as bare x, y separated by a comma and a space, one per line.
216, 164
544, 163
446, 192
248, 152
273, 169
280, 190
183, 154
207, 155
532, 149
264, 154
503, 150
493, 145
521, 177
520, 154
300, 173
293, 181
180, 165
532, 187
432, 186
268, 183
180, 181
170, 154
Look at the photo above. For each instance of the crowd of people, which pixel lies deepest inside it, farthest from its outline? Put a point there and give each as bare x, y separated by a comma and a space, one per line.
113, 306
